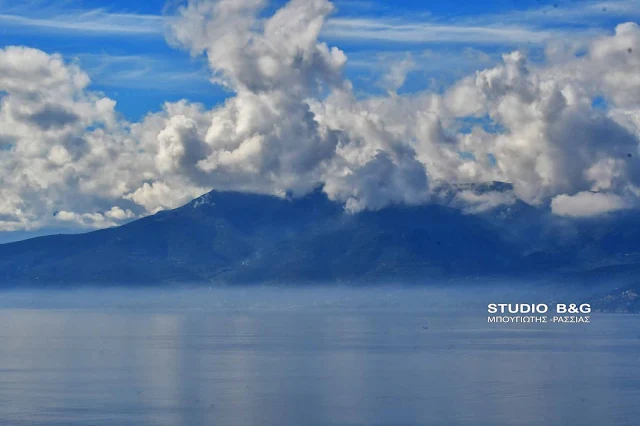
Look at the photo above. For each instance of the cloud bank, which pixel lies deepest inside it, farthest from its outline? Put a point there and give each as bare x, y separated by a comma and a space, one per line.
564, 131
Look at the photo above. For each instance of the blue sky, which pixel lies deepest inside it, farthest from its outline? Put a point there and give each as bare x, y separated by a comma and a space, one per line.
121, 44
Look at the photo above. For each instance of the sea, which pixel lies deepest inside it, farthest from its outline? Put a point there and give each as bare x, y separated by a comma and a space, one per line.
281, 356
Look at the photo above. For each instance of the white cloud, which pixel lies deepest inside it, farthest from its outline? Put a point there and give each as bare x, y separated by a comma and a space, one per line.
293, 123
553, 141
583, 14
116, 213
159, 196
88, 22
397, 74
587, 204
473, 202
407, 31
85, 220
147, 71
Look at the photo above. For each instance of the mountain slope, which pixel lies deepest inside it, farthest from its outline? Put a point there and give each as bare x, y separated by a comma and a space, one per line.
229, 237
235, 237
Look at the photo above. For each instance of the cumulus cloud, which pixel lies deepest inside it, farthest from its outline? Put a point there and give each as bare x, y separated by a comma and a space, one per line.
158, 196
49, 125
587, 204
474, 202
553, 141
395, 77
292, 123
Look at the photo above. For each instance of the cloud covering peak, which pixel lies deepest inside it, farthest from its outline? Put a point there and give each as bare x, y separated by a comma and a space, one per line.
564, 131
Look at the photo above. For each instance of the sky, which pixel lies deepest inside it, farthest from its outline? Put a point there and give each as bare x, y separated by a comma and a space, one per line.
112, 110
123, 48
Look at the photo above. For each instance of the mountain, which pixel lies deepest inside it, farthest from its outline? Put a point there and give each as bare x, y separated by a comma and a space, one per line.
624, 299
230, 237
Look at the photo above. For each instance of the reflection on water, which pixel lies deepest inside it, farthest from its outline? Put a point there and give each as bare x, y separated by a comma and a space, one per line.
311, 364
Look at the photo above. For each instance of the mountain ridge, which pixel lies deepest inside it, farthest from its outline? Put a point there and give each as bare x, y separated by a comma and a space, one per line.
241, 238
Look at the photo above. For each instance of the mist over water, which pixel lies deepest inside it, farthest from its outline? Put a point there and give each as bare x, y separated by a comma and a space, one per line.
321, 356
472, 296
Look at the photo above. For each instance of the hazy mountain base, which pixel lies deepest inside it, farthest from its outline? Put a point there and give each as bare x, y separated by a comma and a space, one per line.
625, 300
227, 238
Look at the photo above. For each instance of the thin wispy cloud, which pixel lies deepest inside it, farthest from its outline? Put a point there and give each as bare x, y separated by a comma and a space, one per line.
409, 32
532, 26
585, 13
145, 72
89, 22
535, 25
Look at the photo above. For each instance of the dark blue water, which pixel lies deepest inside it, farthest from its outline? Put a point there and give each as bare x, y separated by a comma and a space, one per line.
388, 359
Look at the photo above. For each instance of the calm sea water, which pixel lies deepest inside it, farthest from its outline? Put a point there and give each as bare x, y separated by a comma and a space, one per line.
390, 358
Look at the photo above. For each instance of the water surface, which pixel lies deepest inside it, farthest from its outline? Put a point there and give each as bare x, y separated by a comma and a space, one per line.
318, 358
